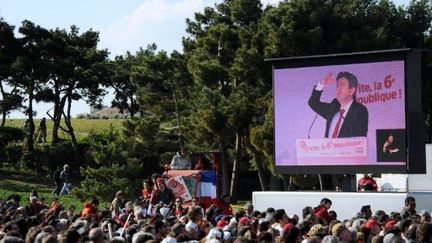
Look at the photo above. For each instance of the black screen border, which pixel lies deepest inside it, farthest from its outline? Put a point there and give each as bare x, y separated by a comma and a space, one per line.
414, 118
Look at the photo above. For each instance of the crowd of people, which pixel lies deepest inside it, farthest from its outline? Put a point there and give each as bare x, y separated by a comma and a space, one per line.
158, 216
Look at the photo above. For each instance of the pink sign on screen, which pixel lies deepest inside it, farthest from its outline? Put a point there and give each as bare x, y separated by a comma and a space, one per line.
381, 93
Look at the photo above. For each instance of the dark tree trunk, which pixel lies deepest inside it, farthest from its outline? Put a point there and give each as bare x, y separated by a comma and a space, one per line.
177, 113
262, 175
70, 130
225, 168
31, 128
233, 189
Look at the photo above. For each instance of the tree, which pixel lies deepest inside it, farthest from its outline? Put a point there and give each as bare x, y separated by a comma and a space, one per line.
29, 71
225, 56
77, 71
124, 85
9, 45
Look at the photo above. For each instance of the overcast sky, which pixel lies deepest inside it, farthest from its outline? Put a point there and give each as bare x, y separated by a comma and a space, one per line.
123, 25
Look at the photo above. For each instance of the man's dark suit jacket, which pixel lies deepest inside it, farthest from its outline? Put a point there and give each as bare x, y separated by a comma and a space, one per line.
355, 123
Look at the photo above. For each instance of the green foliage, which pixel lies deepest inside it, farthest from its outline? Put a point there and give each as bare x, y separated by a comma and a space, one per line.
104, 182
120, 163
11, 154
215, 94
11, 134
59, 154
23, 181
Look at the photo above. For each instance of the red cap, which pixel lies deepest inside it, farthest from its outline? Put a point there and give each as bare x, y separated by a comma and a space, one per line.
222, 223
371, 223
160, 180
243, 220
287, 226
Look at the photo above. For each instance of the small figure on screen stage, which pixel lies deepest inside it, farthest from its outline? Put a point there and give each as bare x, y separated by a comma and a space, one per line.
345, 116
388, 146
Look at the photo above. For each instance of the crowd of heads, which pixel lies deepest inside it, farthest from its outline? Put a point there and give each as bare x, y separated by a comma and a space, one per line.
147, 220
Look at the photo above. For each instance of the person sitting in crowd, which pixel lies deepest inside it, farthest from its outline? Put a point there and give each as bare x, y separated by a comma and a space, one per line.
90, 208
181, 223
178, 208
163, 195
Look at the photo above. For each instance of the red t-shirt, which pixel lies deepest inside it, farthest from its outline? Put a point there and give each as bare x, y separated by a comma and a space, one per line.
226, 208
146, 193
88, 209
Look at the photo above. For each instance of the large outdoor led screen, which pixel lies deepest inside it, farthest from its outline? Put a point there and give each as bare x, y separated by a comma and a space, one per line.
344, 115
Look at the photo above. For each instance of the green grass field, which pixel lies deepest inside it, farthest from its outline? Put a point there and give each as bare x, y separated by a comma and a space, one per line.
82, 127
22, 182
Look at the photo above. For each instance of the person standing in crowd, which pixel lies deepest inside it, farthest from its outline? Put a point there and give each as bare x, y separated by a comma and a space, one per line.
147, 190
57, 181
409, 207
321, 211
366, 212
248, 208
225, 205
65, 177
180, 161
115, 206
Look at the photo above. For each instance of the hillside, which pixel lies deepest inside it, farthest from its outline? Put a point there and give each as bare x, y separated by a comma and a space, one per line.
82, 127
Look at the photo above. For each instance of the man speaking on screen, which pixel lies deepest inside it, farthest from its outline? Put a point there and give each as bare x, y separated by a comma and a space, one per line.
344, 115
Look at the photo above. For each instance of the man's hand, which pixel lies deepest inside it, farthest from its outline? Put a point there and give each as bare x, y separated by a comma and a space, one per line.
328, 78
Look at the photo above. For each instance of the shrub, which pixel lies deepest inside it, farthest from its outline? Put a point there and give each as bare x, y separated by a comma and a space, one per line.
10, 134
105, 182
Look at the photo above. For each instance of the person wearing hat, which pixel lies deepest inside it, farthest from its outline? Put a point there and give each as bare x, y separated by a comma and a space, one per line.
316, 230
342, 232
374, 227
163, 195
180, 161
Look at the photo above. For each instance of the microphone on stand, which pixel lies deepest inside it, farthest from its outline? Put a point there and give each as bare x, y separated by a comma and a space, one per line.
310, 128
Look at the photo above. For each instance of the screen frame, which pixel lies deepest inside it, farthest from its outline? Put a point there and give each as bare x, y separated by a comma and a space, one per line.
414, 118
